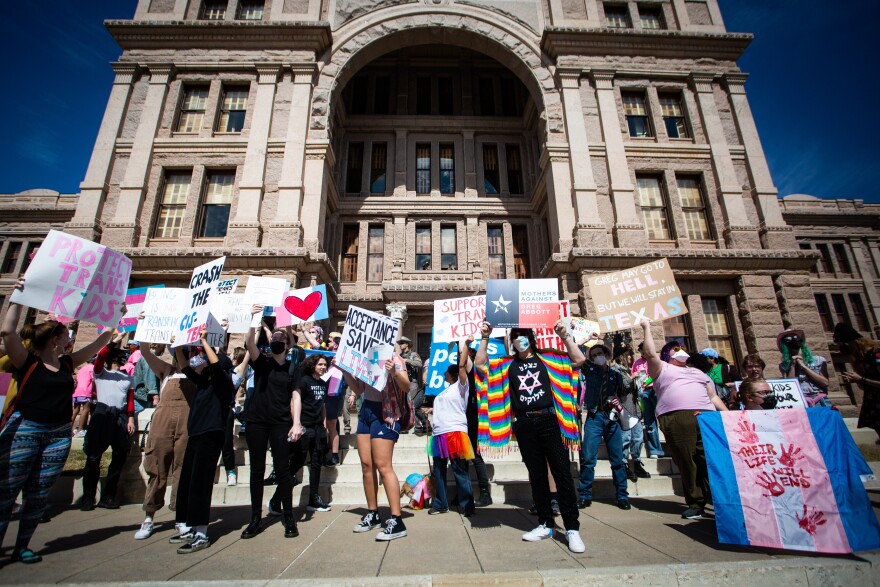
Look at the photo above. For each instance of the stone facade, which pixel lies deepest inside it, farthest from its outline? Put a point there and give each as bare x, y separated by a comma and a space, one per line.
405, 151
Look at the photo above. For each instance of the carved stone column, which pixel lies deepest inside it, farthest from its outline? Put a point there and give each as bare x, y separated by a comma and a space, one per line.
397, 310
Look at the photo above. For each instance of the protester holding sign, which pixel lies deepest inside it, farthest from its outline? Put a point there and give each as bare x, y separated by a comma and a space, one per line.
39, 427
798, 361
539, 387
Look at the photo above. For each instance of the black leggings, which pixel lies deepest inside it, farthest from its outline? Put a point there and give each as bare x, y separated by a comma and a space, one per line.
314, 443
260, 436
196, 482
228, 451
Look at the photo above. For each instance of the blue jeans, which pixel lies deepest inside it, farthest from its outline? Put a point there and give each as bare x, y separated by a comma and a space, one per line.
633, 440
652, 431
462, 483
599, 427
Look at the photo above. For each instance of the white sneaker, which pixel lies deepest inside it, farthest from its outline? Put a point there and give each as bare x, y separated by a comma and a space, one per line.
80, 434
539, 533
145, 532
231, 479
575, 544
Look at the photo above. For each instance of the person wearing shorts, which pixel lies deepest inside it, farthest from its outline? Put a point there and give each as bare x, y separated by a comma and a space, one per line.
82, 398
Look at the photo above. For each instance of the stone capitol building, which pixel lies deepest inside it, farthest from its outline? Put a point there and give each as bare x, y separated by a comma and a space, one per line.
405, 151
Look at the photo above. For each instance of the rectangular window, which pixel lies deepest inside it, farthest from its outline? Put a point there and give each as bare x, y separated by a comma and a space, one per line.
218, 201
678, 329
806, 247
445, 96
694, 208
250, 10
382, 96
673, 116
378, 165
423, 248
842, 259
491, 173
359, 94
653, 206
376, 254
825, 260
636, 114
192, 109
12, 254
214, 9
520, 251
447, 168
233, 108
448, 254
839, 306
718, 328
423, 95
350, 236
487, 96
824, 312
652, 18
861, 317
423, 168
29, 253
354, 172
173, 204
514, 170
617, 16
495, 241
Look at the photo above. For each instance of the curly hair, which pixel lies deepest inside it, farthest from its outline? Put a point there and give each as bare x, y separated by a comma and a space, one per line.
806, 354
311, 362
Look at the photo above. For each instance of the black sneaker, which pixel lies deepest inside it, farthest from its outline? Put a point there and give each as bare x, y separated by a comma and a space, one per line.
484, 500
624, 504
270, 480
584, 503
184, 538
533, 509
368, 522
87, 504
317, 504
332, 461
435, 511
394, 528
554, 505
108, 503
641, 473
692, 514
290, 529
200, 542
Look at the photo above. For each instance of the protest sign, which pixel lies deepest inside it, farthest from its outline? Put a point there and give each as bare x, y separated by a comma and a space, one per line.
788, 479
162, 307
524, 303
302, 305
197, 309
358, 351
76, 278
444, 354
625, 298
582, 329
266, 291
235, 309
134, 303
546, 338
226, 287
458, 318
788, 393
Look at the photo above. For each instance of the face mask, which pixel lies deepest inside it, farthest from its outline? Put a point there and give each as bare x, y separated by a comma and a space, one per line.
196, 361
769, 401
277, 347
600, 360
521, 343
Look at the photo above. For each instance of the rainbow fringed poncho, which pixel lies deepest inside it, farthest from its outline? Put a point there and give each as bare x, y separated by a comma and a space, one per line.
493, 428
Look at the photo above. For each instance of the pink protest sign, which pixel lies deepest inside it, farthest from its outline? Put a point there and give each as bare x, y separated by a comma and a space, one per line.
76, 278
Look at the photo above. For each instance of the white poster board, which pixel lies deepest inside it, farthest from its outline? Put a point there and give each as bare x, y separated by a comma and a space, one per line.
197, 308
162, 309
788, 393
359, 350
266, 291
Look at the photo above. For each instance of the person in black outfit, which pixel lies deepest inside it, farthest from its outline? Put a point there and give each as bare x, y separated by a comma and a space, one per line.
472, 413
206, 427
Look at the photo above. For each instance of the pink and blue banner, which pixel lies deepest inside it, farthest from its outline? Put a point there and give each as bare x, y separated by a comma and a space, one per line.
790, 479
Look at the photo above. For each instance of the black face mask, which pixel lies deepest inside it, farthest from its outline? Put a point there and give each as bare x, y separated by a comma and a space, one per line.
769, 402
793, 345
277, 347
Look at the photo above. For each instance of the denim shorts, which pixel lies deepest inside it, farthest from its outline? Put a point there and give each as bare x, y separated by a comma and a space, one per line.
370, 422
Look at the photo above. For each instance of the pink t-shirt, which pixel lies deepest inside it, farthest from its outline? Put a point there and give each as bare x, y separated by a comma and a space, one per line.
84, 379
682, 388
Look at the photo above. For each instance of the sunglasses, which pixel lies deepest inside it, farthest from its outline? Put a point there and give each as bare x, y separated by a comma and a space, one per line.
677, 348
791, 339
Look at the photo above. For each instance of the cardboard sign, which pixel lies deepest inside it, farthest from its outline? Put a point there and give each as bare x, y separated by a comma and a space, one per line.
625, 298
266, 291
524, 303
227, 286
76, 278
788, 393
302, 305
197, 309
162, 307
442, 356
360, 351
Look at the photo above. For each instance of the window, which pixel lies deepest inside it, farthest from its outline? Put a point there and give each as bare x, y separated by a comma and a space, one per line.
447, 168
825, 260
495, 241
218, 200
423, 248
11, 260
233, 108
382, 95
824, 313
448, 256
354, 173
350, 235
520, 251
842, 259
173, 204
250, 10
718, 328
423, 168
617, 16
423, 95
510, 105
839, 308
29, 253
673, 116
376, 253
806, 247
192, 109
423, 344
487, 96
445, 95
491, 176
31, 316
214, 10
636, 114
653, 206
678, 329
378, 163
861, 317
514, 170
652, 18
693, 208
359, 94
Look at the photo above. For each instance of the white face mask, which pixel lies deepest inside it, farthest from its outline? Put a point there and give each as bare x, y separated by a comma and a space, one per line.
521, 343
600, 360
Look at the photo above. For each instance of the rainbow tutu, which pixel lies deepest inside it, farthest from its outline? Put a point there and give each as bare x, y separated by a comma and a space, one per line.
452, 445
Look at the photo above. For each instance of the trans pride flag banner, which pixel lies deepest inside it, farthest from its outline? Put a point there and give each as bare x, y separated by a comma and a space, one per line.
789, 479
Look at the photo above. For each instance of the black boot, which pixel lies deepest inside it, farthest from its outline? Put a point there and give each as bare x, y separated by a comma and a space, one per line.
290, 530
253, 528
485, 498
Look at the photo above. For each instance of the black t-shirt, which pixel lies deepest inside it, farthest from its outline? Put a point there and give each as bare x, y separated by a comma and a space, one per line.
210, 406
46, 395
313, 393
529, 385
273, 388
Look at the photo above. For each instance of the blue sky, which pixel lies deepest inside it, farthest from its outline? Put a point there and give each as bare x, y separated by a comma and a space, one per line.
808, 88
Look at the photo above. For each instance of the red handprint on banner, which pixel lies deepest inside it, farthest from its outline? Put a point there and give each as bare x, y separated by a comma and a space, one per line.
810, 523
747, 434
769, 482
789, 457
